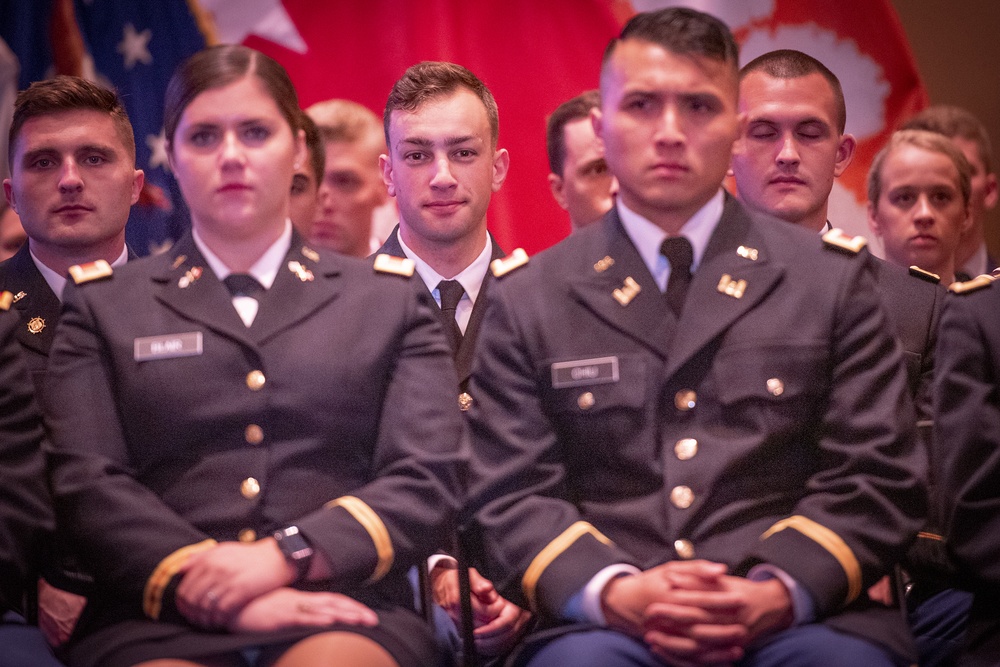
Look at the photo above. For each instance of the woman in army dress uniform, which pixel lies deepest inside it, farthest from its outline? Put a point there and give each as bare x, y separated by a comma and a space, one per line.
249, 472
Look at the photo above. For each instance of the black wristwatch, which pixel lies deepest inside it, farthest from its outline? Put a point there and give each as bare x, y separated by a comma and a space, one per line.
296, 549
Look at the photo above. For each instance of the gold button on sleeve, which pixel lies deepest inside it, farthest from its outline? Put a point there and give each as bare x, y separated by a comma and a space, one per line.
250, 487
776, 387
255, 380
254, 434
686, 448
681, 497
248, 535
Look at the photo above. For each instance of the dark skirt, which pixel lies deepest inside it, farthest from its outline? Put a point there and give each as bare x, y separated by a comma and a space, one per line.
401, 632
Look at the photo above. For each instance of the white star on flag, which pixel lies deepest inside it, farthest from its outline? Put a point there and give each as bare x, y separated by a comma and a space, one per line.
135, 46
237, 19
158, 147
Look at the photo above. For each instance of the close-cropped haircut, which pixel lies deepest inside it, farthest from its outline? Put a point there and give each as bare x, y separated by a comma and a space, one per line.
430, 80
218, 67
314, 145
928, 141
681, 31
791, 64
955, 122
68, 93
343, 121
577, 108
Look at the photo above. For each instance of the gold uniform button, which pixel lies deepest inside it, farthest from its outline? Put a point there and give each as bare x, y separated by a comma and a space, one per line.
250, 487
254, 434
586, 401
248, 535
682, 497
686, 448
684, 549
776, 387
255, 380
464, 401
685, 399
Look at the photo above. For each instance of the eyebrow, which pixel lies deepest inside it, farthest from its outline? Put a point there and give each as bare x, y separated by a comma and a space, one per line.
427, 143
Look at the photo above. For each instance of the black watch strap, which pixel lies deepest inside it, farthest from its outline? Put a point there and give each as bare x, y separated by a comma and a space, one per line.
296, 549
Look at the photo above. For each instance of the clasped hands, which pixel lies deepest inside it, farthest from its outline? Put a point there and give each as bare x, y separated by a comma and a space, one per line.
246, 588
693, 613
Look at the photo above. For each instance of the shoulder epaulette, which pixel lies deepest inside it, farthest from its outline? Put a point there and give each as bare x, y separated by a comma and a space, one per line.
309, 253
917, 272
838, 240
85, 273
977, 283
6, 299
516, 259
400, 266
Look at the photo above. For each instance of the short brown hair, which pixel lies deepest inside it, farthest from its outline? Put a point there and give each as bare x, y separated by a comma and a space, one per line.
219, 66
791, 64
343, 121
571, 110
681, 31
955, 122
429, 80
928, 141
68, 93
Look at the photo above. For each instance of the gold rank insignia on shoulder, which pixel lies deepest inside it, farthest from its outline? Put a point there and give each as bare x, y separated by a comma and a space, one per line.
400, 266
837, 239
85, 273
917, 272
20, 295
748, 253
310, 254
300, 270
969, 286
6, 299
627, 292
516, 259
180, 259
730, 287
603, 265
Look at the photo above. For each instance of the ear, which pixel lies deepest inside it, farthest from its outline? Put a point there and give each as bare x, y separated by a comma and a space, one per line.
597, 120
385, 166
501, 163
8, 193
873, 221
845, 153
556, 185
169, 150
301, 152
138, 179
990, 199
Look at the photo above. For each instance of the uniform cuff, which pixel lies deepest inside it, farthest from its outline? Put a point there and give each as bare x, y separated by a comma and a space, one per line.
803, 607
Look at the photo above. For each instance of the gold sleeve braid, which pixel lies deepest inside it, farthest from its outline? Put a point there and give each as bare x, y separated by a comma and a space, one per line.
152, 597
376, 529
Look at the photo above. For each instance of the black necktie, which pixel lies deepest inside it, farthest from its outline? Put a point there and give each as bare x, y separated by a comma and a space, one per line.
243, 284
679, 253
451, 292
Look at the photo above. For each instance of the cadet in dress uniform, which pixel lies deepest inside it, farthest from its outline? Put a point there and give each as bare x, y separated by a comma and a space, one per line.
25, 507
967, 448
255, 468
761, 423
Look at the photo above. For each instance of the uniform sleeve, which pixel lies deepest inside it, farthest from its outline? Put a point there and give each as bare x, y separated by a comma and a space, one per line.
518, 493
866, 498
129, 538
419, 467
25, 507
967, 431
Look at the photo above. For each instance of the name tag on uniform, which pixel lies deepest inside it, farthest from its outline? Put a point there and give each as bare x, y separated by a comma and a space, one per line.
169, 346
584, 372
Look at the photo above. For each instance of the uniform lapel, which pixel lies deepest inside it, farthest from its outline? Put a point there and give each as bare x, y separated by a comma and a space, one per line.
709, 310
39, 308
645, 316
190, 287
301, 287
466, 351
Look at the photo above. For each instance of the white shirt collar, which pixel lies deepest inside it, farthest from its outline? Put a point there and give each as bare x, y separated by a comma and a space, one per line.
56, 282
471, 277
647, 237
265, 269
